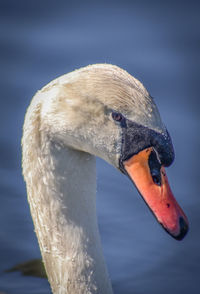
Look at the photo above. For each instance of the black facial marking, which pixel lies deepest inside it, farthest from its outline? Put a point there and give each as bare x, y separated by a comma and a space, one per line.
136, 138
164, 147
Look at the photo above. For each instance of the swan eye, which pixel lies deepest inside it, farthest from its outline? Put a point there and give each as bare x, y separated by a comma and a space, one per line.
117, 116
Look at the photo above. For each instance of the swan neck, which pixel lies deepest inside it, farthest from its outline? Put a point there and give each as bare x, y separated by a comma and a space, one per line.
61, 186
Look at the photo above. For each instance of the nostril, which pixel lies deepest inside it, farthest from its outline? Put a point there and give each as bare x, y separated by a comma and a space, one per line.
156, 177
154, 166
156, 180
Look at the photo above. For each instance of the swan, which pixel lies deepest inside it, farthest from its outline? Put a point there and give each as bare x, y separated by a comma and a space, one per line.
98, 110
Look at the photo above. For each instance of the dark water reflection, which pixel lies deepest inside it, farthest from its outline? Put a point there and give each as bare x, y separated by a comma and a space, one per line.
157, 42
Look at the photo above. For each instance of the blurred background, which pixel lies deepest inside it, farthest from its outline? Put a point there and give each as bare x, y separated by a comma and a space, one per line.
159, 43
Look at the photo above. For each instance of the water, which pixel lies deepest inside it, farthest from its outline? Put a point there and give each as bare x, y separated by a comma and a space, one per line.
159, 44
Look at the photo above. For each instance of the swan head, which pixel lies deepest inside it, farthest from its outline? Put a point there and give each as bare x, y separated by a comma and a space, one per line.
102, 110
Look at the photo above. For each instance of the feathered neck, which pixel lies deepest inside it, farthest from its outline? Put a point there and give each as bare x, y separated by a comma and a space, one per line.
61, 186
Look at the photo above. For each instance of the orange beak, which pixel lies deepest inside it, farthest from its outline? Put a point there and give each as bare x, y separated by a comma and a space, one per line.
158, 197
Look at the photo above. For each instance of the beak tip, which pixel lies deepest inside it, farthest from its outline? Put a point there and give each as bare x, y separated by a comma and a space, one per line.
184, 228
